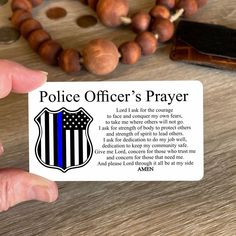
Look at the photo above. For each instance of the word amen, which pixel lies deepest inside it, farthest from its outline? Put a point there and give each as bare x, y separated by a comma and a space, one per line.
105, 97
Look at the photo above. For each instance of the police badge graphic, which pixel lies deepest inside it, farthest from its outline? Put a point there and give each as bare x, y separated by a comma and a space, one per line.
63, 142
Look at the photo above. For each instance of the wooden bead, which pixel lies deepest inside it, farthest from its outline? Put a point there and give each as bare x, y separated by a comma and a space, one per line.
19, 16
170, 4
164, 28
36, 3
110, 11
37, 37
100, 56
93, 4
28, 26
69, 61
201, 3
160, 11
21, 4
49, 52
131, 52
141, 22
147, 42
190, 7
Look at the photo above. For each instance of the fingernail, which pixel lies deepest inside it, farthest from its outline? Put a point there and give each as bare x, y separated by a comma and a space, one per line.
44, 72
1, 149
45, 75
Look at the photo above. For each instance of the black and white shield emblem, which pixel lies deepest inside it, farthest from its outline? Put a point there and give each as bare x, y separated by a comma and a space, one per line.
63, 142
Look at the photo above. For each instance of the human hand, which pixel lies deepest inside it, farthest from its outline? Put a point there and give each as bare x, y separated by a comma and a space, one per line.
16, 185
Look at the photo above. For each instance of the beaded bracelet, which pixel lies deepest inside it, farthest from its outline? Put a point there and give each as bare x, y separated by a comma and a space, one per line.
101, 56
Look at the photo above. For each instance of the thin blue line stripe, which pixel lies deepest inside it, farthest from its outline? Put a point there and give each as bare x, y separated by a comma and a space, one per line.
59, 140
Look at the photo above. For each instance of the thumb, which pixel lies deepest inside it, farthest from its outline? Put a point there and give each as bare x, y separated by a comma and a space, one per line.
17, 78
18, 186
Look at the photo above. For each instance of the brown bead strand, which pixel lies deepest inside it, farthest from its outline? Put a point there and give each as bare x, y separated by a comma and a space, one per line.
115, 10
39, 40
101, 56
159, 21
